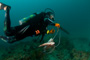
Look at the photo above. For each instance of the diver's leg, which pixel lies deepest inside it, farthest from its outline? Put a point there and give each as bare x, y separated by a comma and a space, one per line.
7, 29
7, 22
42, 38
2, 5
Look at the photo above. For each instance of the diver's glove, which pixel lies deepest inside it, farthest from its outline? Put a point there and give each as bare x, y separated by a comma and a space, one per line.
51, 31
57, 25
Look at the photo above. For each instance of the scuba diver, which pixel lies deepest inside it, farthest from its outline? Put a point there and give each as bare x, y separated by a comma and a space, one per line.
35, 24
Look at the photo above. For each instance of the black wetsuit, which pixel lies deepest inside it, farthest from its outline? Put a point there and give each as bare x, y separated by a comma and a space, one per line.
38, 22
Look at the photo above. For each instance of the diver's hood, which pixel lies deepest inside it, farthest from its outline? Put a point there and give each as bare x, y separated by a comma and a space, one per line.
49, 12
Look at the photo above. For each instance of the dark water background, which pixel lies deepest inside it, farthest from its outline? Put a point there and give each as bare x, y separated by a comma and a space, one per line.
73, 15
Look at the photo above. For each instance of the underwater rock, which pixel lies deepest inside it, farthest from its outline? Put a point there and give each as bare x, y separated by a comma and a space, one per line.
80, 55
30, 51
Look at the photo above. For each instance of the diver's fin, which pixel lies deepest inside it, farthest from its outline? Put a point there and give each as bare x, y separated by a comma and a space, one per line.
3, 5
3, 38
7, 39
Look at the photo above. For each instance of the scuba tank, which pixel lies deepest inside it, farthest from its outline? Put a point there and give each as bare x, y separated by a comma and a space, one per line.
24, 20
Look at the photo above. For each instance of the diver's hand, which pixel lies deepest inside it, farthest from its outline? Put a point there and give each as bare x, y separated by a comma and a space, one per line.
51, 31
37, 32
57, 25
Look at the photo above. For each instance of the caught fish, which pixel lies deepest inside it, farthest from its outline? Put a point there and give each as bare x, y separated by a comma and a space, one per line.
49, 43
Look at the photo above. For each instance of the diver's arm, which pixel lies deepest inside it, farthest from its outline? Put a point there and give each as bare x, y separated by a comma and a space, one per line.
50, 22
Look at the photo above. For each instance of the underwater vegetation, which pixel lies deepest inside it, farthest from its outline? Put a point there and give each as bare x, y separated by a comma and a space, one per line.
30, 51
